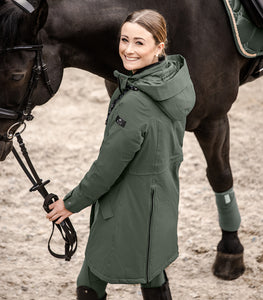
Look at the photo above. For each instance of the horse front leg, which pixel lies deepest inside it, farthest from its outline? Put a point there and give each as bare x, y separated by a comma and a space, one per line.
213, 137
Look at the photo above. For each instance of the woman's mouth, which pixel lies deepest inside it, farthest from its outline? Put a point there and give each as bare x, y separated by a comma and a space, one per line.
131, 58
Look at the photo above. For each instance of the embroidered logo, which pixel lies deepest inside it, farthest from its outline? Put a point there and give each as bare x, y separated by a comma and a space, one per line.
120, 121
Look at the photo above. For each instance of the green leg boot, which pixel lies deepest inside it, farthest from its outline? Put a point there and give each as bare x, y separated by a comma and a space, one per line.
86, 293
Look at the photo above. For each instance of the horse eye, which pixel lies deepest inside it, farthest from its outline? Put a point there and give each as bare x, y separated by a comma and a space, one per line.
17, 76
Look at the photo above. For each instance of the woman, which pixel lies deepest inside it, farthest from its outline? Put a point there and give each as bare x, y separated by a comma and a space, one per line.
133, 185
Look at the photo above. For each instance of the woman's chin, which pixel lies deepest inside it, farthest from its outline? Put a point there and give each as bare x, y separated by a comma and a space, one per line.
130, 66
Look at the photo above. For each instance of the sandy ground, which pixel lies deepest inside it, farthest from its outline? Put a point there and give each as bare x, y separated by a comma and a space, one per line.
63, 141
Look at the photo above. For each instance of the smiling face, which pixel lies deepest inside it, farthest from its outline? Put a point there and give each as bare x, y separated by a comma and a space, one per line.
137, 47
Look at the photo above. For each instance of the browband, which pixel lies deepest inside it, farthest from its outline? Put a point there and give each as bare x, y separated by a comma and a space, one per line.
25, 5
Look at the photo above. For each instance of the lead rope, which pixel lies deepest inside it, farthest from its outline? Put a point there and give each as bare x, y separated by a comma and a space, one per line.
66, 228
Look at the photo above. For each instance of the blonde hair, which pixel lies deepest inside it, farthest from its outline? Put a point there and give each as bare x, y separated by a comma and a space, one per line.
153, 22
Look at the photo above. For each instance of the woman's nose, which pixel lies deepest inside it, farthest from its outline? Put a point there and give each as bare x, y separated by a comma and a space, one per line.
129, 48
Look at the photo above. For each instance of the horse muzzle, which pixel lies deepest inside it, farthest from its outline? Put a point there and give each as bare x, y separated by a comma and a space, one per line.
10, 122
5, 149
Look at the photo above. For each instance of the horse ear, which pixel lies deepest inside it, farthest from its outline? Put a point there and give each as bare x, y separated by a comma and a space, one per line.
41, 18
38, 17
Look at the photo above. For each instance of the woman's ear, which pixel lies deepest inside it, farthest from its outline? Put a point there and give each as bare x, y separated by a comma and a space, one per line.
160, 48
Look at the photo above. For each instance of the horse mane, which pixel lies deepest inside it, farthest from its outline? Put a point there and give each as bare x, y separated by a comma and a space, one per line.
10, 18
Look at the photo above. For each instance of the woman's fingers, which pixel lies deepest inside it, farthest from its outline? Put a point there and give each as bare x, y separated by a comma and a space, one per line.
63, 217
51, 206
51, 214
58, 212
60, 220
54, 217
54, 213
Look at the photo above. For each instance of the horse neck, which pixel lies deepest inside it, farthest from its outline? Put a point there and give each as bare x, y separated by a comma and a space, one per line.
81, 34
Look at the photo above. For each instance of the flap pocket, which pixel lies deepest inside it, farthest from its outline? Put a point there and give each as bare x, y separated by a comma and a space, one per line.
106, 209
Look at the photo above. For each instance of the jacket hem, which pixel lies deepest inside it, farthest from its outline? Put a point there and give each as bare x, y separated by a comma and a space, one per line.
142, 280
114, 280
172, 259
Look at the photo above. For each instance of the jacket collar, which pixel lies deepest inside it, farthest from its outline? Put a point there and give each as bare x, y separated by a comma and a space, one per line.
124, 78
150, 66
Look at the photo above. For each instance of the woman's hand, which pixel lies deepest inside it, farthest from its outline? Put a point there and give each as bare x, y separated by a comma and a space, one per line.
58, 212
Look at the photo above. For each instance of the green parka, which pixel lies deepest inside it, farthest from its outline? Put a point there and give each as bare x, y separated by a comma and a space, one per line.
134, 182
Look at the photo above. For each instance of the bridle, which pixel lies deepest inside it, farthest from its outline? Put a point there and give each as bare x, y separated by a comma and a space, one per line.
24, 113
39, 68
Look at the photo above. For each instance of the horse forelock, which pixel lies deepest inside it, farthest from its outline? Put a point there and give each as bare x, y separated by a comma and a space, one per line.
10, 18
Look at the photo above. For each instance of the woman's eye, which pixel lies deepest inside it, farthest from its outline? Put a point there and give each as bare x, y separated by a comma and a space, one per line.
139, 43
124, 40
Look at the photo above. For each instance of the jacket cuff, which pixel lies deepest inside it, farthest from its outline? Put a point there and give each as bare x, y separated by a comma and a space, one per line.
74, 203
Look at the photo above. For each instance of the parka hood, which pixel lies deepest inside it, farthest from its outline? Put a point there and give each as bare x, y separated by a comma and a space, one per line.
168, 83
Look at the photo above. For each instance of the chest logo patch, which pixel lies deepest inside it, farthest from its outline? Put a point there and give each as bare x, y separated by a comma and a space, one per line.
120, 121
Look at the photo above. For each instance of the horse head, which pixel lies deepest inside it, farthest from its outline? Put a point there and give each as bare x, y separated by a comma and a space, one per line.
24, 78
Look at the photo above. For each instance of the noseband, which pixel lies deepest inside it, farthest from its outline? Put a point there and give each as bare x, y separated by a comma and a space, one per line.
39, 70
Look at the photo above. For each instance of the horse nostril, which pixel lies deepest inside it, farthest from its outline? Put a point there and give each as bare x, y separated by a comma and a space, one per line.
17, 76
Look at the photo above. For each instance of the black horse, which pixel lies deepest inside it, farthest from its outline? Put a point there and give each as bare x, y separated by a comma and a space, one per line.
84, 34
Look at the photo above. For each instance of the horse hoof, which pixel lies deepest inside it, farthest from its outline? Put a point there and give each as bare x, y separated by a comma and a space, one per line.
228, 266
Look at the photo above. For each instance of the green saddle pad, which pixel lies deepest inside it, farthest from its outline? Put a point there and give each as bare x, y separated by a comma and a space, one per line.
248, 37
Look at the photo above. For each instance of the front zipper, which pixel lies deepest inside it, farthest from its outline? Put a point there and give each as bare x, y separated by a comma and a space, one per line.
149, 237
113, 104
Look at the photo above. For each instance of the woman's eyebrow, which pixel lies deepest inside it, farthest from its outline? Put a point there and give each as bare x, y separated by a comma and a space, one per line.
139, 38
136, 38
